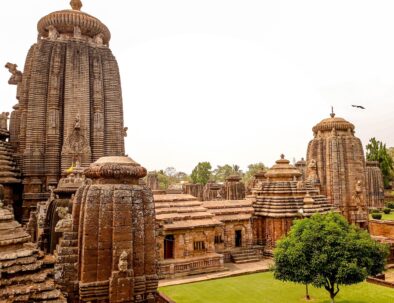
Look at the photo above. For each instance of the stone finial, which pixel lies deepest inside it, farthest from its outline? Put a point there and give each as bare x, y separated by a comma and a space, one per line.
76, 5
123, 264
282, 156
16, 75
308, 200
332, 114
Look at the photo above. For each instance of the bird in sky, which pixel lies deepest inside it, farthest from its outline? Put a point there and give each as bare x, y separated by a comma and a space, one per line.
359, 106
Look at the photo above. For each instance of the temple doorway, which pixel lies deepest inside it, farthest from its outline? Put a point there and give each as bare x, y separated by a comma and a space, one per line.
238, 238
169, 247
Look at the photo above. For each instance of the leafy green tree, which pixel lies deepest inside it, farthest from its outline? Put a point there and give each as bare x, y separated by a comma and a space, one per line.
377, 151
201, 173
252, 170
326, 251
222, 172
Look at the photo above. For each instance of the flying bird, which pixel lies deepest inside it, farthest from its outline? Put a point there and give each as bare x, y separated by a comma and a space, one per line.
359, 106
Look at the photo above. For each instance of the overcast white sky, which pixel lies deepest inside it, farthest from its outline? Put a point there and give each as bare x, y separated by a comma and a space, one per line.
234, 82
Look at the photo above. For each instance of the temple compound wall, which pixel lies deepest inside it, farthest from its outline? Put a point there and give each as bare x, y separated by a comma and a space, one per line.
383, 231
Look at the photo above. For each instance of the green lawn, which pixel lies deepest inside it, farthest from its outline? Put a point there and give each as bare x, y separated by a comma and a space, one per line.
390, 216
263, 288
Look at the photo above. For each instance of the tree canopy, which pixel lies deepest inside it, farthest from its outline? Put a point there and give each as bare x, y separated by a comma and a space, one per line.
201, 173
377, 151
252, 170
326, 251
222, 172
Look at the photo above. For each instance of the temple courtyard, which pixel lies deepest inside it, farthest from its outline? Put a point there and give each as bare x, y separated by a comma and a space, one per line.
263, 288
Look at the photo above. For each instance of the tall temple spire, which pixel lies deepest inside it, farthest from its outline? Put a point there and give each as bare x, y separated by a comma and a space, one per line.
76, 4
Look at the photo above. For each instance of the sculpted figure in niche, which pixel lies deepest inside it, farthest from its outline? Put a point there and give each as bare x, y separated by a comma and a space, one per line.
357, 197
16, 75
3, 120
53, 34
77, 32
65, 222
312, 172
77, 123
122, 265
98, 39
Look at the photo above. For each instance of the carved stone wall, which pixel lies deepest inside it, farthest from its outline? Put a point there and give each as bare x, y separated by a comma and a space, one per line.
234, 189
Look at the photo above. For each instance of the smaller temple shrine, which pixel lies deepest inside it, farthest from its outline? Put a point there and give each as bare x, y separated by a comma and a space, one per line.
186, 239
375, 185
280, 199
233, 239
234, 188
107, 252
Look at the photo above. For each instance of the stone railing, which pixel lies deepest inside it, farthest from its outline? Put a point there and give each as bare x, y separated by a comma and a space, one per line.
191, 266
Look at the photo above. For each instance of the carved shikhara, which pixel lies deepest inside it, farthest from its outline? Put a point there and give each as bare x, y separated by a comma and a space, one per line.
71, 84
336, 158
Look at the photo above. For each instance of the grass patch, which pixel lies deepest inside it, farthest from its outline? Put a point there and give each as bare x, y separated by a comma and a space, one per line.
263, 288
389, 216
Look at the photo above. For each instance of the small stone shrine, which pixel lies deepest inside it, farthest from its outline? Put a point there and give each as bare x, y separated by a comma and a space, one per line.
375, 185
107, 252
234, 189
280, 199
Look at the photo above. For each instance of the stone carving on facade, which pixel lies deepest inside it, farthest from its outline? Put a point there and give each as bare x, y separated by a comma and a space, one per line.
77, 32
124, 132
65, 222
3, 120
16, 75
123, 264
76, 143
53, 34
357, 198
98, 39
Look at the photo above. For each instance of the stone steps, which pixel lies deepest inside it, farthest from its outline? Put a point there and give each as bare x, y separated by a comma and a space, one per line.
245, 256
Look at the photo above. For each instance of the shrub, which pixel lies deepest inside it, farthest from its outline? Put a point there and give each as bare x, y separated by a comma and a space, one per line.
387, 210
390, 205
376, 216
375, 211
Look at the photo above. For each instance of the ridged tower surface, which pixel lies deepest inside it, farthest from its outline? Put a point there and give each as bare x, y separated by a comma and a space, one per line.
375, 185
109, 254
338, 157
24, 272
70, 101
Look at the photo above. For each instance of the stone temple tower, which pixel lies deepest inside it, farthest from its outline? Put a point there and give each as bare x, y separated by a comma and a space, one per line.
335, 161
70, 102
